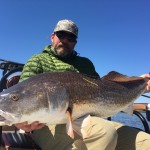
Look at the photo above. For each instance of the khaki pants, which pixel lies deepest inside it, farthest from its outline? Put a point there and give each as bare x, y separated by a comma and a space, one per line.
102, 135
131, 139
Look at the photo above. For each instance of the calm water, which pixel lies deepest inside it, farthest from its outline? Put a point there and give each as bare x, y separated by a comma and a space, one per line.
130, 120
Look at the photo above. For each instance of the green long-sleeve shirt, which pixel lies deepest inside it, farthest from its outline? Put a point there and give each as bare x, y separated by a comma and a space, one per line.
48, 61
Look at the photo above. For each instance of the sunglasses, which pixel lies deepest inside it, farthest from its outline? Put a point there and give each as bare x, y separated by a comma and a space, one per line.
70, 37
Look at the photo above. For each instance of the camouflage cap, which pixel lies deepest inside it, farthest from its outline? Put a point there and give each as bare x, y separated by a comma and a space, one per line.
67, 25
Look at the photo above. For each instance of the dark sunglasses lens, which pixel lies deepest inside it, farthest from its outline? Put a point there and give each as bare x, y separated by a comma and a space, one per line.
60, 35
69, 37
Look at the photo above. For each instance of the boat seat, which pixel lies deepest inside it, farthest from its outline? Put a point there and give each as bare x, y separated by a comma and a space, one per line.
12, 81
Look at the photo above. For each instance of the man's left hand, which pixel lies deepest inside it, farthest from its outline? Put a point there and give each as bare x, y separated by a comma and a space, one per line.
148, 83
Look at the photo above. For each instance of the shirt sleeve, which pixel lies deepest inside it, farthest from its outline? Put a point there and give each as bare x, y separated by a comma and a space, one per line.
31, 68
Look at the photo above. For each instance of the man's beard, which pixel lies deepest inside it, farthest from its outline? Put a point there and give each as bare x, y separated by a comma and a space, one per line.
62, 51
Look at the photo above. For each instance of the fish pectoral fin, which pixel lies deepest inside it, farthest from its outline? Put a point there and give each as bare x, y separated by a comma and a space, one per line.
129, 109
69, 126
82, 125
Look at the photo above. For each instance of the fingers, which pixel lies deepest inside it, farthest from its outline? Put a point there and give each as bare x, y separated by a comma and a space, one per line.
29, 127
24, 126
36, 125
145, 76
148, 86
148, 83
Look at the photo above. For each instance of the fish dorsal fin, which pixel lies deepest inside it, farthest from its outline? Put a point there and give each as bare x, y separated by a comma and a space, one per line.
118, 77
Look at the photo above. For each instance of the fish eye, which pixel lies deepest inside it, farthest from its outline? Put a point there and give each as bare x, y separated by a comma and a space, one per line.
14, 97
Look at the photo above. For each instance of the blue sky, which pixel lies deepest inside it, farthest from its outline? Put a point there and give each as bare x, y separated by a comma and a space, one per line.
113, 34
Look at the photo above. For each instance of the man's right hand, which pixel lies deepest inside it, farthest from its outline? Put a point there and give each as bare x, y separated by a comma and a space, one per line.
30, 127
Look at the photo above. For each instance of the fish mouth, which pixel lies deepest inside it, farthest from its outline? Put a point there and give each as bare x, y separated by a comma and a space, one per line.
7, 118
